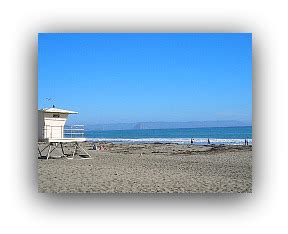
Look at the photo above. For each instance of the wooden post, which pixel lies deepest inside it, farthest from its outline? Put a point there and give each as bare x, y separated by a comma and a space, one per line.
62, 149
74, 150
49, 151
39, 151
84, 150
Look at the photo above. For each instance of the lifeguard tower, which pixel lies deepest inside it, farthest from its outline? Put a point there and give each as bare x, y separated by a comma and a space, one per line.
52, 131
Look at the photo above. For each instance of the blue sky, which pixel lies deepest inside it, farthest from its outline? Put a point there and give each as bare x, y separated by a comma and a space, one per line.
116, 78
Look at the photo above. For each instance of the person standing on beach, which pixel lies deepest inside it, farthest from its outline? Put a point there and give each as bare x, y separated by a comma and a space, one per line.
191, 141
94, 147
208, 141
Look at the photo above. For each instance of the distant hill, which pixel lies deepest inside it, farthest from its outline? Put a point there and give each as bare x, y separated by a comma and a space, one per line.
166, 125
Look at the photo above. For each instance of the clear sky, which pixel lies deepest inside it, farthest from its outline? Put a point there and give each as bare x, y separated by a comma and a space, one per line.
118, 78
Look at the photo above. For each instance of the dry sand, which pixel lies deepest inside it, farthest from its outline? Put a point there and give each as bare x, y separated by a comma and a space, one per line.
150, 168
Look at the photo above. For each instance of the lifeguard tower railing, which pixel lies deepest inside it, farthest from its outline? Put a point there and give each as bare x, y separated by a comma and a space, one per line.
71, 131
74, 131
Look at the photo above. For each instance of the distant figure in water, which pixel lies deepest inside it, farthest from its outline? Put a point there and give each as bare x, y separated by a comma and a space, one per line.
208, 141
191, 141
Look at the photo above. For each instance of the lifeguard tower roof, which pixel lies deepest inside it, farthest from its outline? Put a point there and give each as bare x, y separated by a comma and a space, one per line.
56, 110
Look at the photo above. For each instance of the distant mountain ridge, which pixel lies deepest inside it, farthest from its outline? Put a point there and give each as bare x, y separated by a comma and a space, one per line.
167, 125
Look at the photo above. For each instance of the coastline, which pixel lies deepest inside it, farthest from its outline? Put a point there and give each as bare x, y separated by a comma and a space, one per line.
200, 136
150, 168
186, 141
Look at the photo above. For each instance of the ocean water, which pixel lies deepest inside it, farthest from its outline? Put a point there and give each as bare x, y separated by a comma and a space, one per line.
217, 135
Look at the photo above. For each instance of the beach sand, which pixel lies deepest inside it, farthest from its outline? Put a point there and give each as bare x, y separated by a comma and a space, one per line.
150, 168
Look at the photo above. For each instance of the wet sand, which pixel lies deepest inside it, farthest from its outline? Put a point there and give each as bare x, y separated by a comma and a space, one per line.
149, 168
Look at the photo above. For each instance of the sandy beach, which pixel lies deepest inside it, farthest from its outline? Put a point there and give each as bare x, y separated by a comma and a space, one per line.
149, 168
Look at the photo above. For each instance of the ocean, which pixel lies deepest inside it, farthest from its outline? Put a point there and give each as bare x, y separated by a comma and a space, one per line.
216, 135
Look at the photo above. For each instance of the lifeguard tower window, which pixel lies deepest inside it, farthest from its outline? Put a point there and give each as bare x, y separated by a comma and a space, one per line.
56, 115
